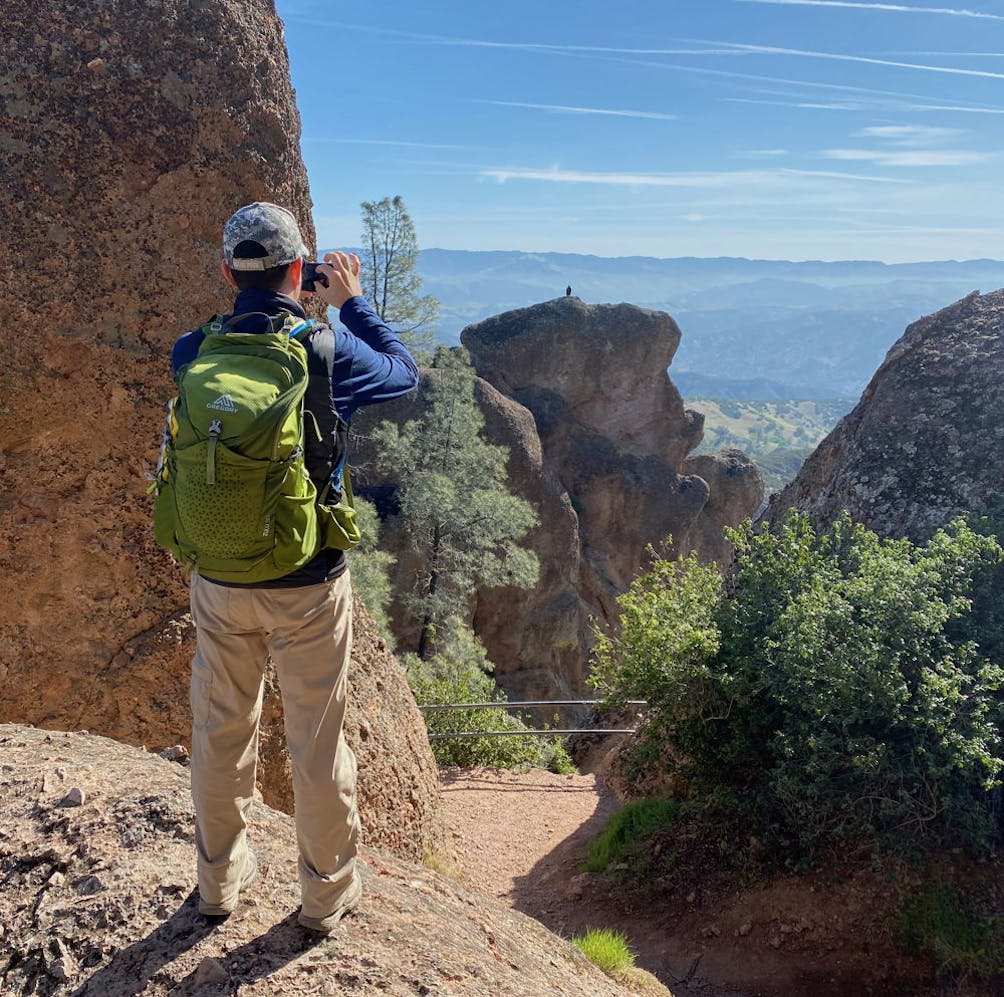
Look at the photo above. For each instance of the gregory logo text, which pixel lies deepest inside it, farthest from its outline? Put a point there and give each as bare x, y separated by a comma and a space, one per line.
223, 404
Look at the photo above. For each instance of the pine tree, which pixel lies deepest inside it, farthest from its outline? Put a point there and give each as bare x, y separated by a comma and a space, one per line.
389, 257
459, 515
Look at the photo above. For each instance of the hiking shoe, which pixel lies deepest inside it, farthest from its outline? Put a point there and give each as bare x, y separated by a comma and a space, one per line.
227, 908
325, 925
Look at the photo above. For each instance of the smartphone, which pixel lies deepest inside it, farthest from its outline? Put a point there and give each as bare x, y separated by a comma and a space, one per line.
311, 275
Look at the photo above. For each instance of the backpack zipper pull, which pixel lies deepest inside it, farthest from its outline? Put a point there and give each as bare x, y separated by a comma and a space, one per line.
215, 428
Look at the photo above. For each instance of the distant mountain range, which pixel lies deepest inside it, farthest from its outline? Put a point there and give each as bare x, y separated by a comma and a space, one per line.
752, 329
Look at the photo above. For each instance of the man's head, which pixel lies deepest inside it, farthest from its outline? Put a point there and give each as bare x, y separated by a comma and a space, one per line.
263, 248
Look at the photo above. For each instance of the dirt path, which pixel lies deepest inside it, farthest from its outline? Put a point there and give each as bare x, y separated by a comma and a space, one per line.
522, 838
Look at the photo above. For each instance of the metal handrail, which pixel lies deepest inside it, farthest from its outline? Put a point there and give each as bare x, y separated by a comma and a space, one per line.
506, 704
529, 733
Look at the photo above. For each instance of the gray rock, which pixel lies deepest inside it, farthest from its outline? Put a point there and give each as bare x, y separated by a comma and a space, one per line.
74, 798
210, 971
926, 441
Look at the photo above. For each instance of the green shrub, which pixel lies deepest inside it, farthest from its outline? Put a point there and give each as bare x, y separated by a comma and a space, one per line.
985, 624
370, 566
826, 686
606, 949
948, 926
628, 832
458, 673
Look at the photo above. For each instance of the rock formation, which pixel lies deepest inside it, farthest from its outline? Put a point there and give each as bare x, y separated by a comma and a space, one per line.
599, 439
614, 437
131, 132
97, 857
926, 441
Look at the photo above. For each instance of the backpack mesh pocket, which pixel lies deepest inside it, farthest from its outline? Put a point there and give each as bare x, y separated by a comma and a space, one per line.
230, 518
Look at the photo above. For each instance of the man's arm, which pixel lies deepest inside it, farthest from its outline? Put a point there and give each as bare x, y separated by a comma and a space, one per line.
372, 365
186, 349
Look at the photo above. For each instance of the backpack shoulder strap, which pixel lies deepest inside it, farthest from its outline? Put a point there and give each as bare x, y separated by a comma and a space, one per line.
325, 431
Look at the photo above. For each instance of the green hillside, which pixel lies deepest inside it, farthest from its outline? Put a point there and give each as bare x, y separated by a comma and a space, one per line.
778, 435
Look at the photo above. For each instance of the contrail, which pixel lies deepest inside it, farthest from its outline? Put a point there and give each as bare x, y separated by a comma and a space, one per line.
565, 109
776, 50
895, 7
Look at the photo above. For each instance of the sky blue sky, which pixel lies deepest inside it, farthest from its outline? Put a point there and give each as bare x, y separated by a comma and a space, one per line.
796, 129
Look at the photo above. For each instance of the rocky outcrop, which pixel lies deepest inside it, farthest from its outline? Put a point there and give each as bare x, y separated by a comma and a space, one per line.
131, 132
926, 441
99, 899
614, 437
598, 439
552, 614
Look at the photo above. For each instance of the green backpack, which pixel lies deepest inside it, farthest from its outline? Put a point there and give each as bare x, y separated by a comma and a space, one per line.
234, 497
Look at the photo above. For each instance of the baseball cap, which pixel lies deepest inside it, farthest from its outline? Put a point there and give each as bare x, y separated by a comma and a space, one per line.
272, 228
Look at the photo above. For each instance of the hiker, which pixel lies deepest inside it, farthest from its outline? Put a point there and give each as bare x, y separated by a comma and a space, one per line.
280, 589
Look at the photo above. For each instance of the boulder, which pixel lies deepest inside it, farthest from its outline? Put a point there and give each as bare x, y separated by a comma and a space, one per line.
614, 438
926, 441
133, 130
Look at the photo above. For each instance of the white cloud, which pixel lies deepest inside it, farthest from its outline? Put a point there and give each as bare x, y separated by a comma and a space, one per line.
695, 179
857, 97
761, 153
909, 135
891, 7
556, 175
962, 108
865, 104
556, 48
801, 104
321, 140
908, 157
565, 109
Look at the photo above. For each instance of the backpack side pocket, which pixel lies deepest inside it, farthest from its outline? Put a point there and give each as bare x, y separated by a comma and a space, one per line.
337, 521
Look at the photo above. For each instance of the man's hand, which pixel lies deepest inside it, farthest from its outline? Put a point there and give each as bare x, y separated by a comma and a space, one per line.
342, 271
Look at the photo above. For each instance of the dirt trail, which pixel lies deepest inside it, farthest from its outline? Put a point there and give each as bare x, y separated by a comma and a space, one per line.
522, 838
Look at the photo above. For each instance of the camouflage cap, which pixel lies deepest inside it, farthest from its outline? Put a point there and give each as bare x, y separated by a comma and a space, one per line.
271, 227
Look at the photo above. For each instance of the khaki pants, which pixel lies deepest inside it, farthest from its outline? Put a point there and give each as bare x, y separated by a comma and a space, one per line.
307, 631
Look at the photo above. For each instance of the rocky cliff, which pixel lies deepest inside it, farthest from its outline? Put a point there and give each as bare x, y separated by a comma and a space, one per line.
599, 438
613, 438
926, 441
100, 900
131, 131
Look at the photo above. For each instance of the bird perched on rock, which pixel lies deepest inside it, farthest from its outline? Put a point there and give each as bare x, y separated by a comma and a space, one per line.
568, 291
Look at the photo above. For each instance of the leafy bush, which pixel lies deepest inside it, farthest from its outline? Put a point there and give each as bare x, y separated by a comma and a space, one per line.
606, 949
985, 624
370, 566
827, 687
458, 673
627, 833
